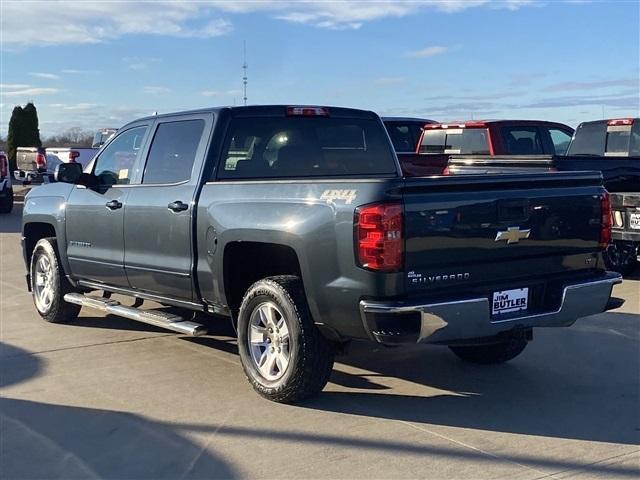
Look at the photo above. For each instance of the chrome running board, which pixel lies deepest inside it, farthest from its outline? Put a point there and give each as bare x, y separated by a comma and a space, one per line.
151, 317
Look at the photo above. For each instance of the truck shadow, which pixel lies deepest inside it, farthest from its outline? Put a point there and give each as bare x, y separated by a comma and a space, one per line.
40, 440
580, 383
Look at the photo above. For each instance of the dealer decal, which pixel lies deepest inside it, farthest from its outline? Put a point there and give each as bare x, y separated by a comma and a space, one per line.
332, 195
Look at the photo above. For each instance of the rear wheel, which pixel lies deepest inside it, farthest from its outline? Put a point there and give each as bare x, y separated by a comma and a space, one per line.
6, 203
284, 355
621, 257
49, 284
491, 353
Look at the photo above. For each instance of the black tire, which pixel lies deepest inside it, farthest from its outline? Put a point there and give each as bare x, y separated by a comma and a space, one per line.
491, 353
621, 257
56, 310
6, 204
310, 354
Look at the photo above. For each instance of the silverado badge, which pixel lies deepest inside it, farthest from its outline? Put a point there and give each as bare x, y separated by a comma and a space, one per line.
512, 235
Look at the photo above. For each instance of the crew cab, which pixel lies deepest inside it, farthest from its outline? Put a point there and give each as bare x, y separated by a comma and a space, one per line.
6, 188
444, 147
297, 223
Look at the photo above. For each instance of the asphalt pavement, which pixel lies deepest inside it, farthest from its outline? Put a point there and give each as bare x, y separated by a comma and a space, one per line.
108, 397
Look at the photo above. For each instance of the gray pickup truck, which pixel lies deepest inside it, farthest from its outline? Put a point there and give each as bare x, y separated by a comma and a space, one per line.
296, 223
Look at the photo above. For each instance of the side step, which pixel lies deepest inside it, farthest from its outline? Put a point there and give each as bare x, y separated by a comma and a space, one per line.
152, 317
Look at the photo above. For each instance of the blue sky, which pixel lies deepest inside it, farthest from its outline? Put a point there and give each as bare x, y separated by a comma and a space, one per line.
101, 64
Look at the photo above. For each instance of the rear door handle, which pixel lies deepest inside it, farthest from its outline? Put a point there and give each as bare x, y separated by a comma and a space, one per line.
178, 206
114, 205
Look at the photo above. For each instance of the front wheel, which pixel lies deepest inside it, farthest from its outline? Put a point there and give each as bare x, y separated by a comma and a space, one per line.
283, 354
49, 284
491, 353
621, 257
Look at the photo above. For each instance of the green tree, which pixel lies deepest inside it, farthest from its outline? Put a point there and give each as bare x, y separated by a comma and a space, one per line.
23, 131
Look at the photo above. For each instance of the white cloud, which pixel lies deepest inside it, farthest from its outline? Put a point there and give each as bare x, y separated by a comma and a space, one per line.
155, 90
139, 63
29, 92
389, 80
217, 93
76, 107
13, 86
428, 51
57, 22
46, 76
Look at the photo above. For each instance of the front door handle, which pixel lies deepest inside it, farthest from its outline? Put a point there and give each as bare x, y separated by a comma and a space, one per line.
178, 206
114, 205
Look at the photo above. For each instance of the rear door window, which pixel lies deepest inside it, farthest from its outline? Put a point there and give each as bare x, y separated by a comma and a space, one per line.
465, 141
560, 140
404, 136
522, 140
173, 152
305, 146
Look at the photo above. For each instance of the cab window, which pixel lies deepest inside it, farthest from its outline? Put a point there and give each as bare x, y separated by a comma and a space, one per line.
560, 140
115, 164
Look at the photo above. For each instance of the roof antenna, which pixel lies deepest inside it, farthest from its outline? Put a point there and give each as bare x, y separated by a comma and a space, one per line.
244, 68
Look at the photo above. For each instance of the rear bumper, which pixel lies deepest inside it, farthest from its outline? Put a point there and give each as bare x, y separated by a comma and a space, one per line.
450, 322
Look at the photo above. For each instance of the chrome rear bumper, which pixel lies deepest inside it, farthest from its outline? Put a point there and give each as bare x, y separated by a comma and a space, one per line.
471, 318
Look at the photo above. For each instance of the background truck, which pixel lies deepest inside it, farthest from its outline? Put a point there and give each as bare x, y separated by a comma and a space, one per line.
37, 165
6, 188
609, 146
297, 223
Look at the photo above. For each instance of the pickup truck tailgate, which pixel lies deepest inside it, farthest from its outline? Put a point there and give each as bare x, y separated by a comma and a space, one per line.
499, 228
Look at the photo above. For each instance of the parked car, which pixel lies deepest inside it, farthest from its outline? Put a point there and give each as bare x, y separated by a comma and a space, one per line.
298, 224
405, 132
37, 165
448, 146
6, 189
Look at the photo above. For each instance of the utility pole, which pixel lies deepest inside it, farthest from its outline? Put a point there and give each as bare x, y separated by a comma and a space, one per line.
244, 68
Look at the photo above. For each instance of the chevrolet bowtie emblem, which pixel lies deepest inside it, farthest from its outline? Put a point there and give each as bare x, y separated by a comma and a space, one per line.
512, 235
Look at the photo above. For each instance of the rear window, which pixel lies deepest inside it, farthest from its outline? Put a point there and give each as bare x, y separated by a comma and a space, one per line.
522, 140
600, 139
472, 141
259, 147
589, 139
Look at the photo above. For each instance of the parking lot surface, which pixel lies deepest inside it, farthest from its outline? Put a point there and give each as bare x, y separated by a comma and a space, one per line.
112, 398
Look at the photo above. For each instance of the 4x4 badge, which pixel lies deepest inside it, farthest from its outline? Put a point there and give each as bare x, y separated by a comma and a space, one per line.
513, 235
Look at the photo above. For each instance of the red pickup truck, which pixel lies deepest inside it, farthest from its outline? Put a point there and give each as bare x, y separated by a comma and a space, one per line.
439, 141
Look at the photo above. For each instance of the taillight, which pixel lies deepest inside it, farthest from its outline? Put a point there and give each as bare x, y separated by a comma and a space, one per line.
307, 112
4, 167
620, 121
378, 236
41, 161
73, 154
605, 223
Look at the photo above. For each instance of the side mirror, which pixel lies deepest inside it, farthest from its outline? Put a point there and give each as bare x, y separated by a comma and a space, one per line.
68, 172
